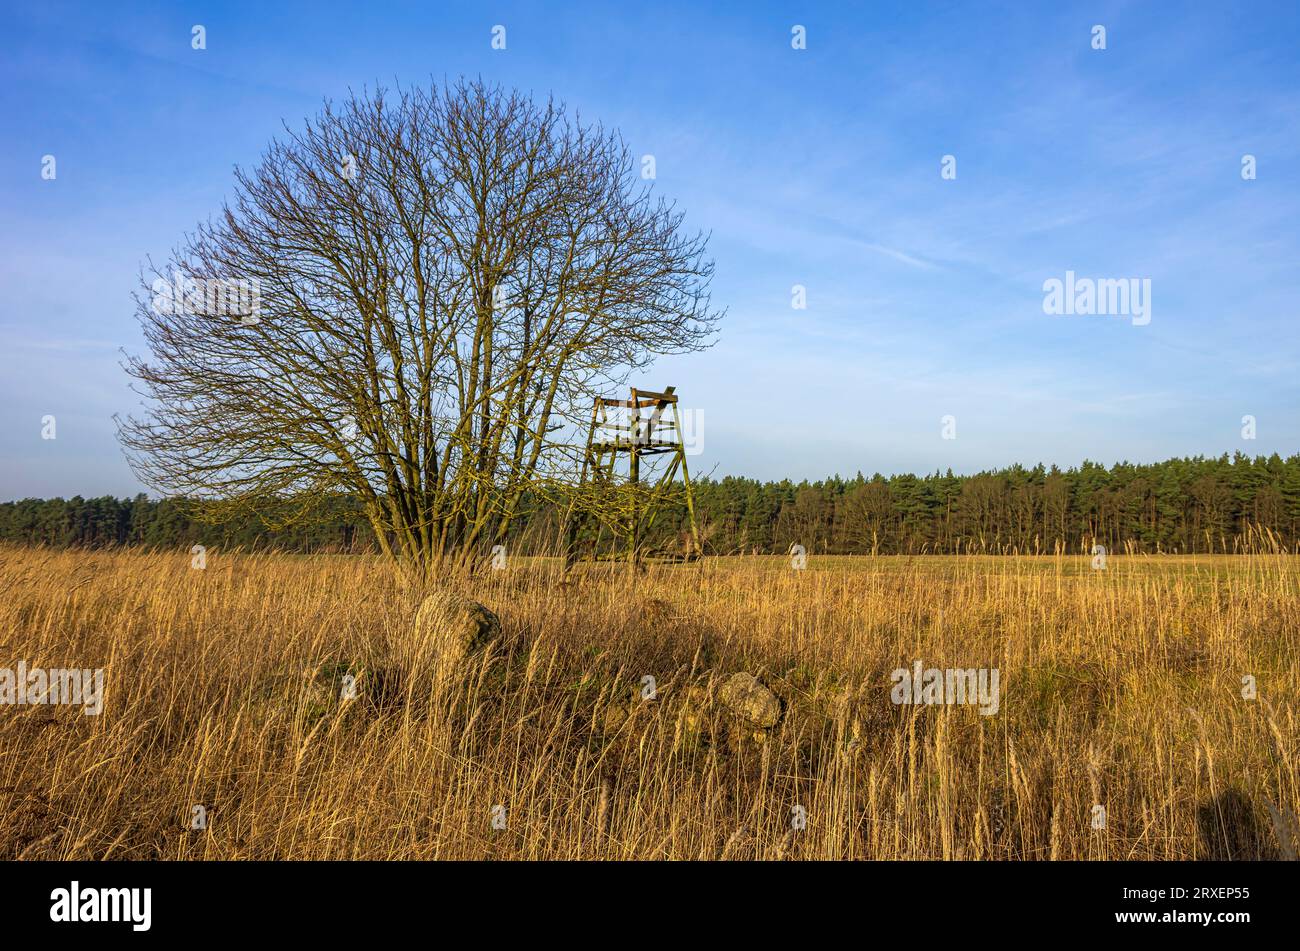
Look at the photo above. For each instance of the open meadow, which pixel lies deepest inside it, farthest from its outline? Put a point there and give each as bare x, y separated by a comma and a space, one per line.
297, 702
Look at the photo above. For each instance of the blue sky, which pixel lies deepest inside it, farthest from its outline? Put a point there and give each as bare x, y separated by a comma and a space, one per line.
818, 167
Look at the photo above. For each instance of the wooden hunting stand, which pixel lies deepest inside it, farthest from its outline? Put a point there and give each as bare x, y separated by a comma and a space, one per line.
649, 437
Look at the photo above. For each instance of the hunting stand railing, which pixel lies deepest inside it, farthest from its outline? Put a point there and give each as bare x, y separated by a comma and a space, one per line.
648, 437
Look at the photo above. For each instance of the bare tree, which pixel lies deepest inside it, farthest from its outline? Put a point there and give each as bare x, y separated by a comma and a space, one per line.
440, 283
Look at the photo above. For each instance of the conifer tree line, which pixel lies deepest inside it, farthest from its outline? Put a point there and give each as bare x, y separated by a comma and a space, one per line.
1188, 505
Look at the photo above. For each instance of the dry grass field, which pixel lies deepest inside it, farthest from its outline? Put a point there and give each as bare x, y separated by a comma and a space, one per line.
1120, 688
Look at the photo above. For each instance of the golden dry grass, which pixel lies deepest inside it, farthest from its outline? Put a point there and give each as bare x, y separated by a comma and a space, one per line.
1120, 688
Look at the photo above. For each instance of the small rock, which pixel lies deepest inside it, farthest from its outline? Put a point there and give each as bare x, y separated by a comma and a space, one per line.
471, 624
751, 701
330, 682
329, 687
695, 709
742, 737
455, 627
693, 728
